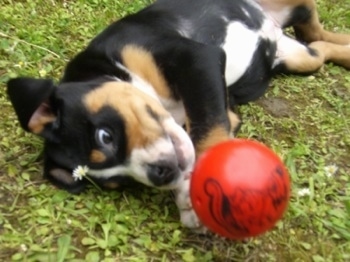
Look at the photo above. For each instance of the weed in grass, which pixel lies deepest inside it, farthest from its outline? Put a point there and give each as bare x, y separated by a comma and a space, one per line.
306, 120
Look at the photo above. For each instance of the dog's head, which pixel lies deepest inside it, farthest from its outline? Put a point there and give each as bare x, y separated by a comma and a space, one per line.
113, 128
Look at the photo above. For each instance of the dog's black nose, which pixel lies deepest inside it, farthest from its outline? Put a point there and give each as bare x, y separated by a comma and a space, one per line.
161, 174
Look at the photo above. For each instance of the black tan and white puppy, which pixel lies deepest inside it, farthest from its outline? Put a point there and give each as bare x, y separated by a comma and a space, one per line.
157, 88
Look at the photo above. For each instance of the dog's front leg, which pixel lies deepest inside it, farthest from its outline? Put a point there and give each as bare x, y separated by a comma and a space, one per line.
196, 73
188, 217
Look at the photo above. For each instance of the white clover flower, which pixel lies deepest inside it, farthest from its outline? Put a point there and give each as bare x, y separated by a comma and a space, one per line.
79, 172
42, 73
304, 192
331, 170
20, 64
24, 248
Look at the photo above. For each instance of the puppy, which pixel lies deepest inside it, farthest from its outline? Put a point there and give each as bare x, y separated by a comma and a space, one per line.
157, 88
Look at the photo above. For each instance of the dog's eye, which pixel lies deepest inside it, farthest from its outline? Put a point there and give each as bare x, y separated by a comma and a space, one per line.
103, 137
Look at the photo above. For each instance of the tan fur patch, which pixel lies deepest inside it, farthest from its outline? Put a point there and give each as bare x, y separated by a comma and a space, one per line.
216, 135
278, 4
234, 120
335, 53
142, 63
300, 61
97, 156
142, 128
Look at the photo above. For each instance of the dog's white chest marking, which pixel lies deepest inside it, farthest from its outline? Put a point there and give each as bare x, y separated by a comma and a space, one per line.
239, 46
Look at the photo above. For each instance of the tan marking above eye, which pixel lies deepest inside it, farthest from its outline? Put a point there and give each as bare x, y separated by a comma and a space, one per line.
142, 63
97, 156
142, 127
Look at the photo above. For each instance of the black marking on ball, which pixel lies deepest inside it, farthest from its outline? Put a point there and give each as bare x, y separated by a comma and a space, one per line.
220, 208
246, 207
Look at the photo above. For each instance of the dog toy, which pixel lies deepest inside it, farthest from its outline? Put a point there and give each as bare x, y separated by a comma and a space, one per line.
239, 189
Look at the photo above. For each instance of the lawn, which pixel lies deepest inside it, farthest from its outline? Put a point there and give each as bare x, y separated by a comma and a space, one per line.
306, 120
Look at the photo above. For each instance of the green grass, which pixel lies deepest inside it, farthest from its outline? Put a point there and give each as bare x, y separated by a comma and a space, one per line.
41, 223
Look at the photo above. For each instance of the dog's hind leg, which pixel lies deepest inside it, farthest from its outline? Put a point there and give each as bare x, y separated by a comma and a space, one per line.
303, 17
323, 45
297, 58
330, 52
310, 29
328, 46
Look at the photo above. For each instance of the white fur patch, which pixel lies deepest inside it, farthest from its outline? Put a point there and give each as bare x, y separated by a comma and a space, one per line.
270, 31
183, 144
278, 17
188, 216
287, 47
176, 109
239, 46
161, 150
186, 28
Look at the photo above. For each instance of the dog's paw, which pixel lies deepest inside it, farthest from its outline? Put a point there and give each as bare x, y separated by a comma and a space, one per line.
188, 216
190, 220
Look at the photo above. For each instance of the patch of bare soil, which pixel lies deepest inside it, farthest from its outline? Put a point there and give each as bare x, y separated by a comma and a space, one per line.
276, 106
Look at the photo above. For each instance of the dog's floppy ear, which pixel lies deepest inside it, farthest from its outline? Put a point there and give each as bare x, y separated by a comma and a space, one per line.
31, 100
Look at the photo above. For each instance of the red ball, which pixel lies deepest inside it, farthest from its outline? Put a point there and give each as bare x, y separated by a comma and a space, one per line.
239, 188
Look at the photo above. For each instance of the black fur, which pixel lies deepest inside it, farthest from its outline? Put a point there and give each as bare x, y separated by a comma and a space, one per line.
300, 15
